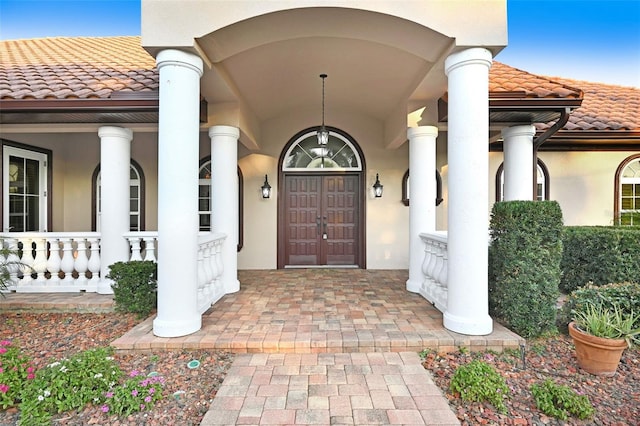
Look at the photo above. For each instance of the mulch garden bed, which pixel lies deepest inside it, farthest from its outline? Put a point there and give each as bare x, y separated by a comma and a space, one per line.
46, 337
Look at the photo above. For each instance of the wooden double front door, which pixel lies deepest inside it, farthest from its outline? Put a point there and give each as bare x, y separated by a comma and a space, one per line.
321, 221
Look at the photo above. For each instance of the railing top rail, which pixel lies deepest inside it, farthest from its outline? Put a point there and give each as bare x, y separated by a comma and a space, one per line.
205, 237
140, 234
440, 236
22, 235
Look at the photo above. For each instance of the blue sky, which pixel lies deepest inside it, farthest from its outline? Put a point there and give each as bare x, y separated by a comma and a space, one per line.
581, 39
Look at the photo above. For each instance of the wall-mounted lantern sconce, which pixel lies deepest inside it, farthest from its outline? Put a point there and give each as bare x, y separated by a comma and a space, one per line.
377, 187
266, 188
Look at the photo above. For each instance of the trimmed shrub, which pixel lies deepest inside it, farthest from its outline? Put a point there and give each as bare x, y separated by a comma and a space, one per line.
135, 286
626, 296
599, 255
524, 265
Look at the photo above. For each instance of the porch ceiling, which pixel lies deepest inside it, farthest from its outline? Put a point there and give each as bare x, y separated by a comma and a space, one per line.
375, 63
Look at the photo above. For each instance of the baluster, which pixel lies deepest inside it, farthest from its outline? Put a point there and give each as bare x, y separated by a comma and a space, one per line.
425, 265
219, 264
134, 243
13, 261
94, 262
443, 277
53, 263
66, 264
82, 263
202, 281
433, 262
40, 261
27, 261
150, 249
438, 265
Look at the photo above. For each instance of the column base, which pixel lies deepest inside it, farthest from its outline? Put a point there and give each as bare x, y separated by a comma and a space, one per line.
174, 328
471, 326
413, 286
104, 287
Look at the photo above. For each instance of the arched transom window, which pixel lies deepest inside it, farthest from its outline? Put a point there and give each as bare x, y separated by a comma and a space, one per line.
136, 198
305, 154
628, 190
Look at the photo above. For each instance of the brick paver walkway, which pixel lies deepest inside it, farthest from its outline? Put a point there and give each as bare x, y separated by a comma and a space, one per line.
316, 346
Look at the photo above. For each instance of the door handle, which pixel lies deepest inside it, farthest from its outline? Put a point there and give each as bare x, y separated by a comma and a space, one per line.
324, 228
318, 224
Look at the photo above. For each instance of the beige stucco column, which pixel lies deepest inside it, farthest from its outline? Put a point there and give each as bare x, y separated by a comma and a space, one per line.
115, 160
178, 223
468, 251
422, 195
224, 199
518, 158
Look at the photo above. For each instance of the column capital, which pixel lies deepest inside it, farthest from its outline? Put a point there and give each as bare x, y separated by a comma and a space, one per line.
475, 55
231, 131
181, 59
116, 132
521, 130
413, 132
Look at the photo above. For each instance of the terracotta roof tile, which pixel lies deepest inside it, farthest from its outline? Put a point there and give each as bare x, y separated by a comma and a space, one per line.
74, 67
504, 78
605, 107
98, 67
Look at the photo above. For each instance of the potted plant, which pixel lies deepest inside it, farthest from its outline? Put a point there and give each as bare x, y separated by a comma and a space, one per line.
600, 336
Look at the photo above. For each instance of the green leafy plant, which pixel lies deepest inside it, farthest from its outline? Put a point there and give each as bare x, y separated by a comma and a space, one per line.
9, 263
608, 323
625, 295
15, 370
560, 401
68, 384
135, 286
479, 381
137, 393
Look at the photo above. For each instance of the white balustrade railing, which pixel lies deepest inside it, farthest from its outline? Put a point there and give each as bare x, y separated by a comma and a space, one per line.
143, 244
210, 269
43, 262
434, 268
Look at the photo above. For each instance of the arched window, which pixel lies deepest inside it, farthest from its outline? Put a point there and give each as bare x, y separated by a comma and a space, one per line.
136, 198
204, 198
542, 182
627, 192
305, 154
405, 188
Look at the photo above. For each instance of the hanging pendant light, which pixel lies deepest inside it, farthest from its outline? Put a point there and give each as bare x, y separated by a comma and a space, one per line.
323, 133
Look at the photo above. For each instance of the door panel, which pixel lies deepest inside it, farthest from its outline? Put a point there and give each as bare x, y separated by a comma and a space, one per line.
24, 183
321, 220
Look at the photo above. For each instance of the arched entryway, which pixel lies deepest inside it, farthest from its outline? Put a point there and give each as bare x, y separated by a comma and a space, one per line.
321, 202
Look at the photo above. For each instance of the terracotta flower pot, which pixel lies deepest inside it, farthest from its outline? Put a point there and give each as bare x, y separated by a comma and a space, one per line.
597, 355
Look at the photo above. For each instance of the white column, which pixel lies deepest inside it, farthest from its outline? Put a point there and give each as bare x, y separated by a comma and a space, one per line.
422, 196
468, 154
115, 163
224, 199
178, 143
518, 160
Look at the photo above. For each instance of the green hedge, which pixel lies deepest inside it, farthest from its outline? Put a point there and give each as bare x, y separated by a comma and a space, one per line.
626, 296
600, 255
524, 265
135, 286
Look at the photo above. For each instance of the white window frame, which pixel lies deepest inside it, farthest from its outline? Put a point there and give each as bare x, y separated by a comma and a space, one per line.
42, 158
133, 183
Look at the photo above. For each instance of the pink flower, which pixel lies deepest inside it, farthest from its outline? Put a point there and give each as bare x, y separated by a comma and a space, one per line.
5, 343
30, 370
152, 390
31, 376
104, 408
134, 373
109, 394
134, 392
3, 349
147, 399
4, 388
1, 369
